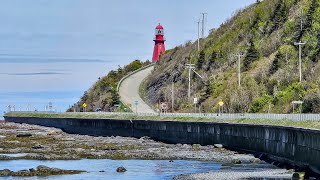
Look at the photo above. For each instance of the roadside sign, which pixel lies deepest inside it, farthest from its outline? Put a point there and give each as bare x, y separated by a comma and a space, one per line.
221, 103
84, 105
195, 100
297, 102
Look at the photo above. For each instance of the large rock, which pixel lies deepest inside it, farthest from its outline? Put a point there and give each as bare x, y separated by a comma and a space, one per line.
121, 169
236, 161
218, 145
24, 135
5, 172
21, 173
51, 133
4, 157
37, 146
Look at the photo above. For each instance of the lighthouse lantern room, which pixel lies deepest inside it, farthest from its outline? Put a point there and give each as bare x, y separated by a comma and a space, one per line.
159, 43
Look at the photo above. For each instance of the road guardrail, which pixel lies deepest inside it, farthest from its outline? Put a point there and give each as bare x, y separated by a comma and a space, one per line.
131, 73
226, 116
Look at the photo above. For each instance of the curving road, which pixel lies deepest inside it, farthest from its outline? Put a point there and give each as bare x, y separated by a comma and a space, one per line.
129, 91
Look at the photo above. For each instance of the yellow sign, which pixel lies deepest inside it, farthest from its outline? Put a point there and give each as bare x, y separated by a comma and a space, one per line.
221, 103
84, 105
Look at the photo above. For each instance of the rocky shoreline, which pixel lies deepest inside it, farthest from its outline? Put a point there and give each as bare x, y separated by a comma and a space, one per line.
46, 143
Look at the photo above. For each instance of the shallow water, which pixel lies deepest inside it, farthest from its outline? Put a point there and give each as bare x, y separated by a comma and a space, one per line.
15, 155
136, 169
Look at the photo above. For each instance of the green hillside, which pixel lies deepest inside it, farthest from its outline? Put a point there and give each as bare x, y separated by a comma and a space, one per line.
264, 33
103, 94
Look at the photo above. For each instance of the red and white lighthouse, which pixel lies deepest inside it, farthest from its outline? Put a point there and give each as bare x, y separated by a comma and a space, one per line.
159, 43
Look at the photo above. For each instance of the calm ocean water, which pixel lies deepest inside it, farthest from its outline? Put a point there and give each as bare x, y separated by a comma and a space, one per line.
24, 101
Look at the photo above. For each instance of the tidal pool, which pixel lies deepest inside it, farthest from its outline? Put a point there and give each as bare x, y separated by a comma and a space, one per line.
136, 169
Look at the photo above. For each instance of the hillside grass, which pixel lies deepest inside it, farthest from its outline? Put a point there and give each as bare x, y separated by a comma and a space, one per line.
309, 124
264, 33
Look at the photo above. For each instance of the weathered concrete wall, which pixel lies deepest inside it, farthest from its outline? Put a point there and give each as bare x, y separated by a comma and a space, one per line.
300, 146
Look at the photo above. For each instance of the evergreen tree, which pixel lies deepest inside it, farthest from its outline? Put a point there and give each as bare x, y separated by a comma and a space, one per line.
251, 56
298, 32
275, 64
307, 22
201, 60
115, 98
205, 92
212, 60
84, 96
120, 70
279, 16
309, 15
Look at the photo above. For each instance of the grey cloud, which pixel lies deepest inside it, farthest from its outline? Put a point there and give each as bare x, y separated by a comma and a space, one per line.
23, 60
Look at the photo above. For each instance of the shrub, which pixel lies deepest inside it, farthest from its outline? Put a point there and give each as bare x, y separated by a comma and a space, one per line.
312, 102
258, 104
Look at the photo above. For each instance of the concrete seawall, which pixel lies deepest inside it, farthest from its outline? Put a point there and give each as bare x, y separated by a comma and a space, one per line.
291, 145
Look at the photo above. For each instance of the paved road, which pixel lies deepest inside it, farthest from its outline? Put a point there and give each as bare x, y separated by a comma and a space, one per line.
129, 91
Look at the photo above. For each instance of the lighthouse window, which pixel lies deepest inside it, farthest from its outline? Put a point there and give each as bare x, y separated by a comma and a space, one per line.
159, 31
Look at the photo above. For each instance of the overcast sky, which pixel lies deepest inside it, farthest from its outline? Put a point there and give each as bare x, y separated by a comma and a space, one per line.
65, 45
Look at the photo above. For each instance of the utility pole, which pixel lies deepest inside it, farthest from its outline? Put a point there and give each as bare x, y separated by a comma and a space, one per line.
198, 35
239, 67
172, 96
300, 58
191, 68
203, 22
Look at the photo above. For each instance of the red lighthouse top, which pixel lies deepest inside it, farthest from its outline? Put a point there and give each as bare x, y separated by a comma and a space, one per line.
159, 26
159, 40
159, 33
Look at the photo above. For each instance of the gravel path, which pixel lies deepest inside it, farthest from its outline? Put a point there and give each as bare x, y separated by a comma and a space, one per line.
129, 91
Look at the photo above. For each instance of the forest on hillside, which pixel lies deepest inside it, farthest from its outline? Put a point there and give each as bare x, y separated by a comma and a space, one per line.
264, 34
